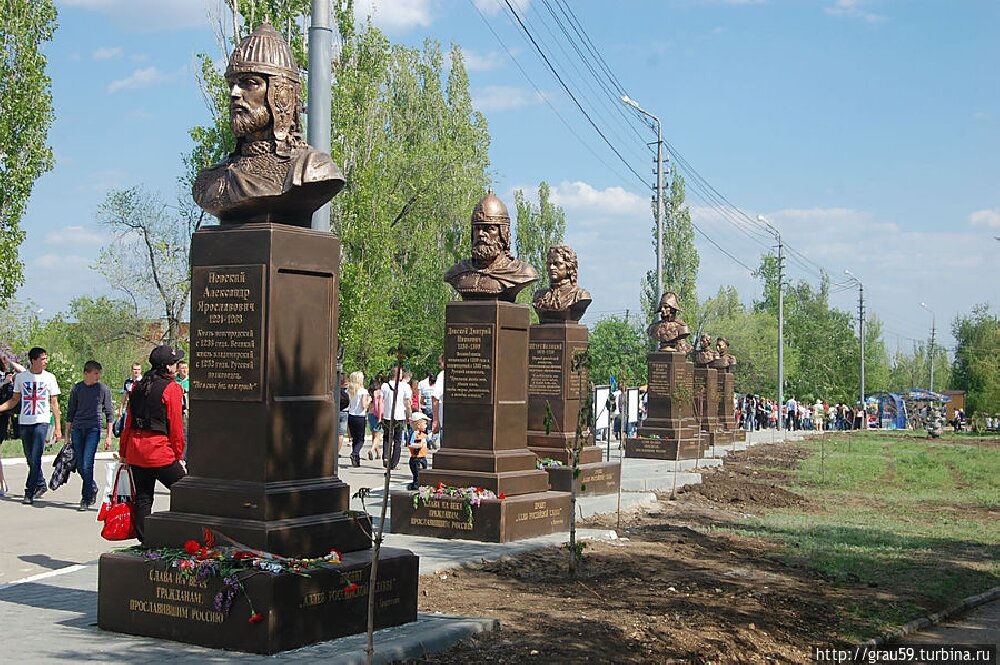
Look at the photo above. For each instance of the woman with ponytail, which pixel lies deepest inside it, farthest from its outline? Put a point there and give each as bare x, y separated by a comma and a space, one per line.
152, 443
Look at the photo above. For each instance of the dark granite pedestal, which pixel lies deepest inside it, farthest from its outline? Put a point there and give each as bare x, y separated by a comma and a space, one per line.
262, 435
486, 411
671, 431
727, 431
555, 393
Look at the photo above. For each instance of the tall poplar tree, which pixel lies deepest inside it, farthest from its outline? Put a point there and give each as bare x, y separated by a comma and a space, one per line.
25, 118
538, 228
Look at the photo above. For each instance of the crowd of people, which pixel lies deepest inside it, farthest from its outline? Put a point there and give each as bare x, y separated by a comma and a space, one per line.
151, 418
754, 412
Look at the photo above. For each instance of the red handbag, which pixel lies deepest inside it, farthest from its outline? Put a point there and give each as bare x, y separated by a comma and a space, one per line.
118, 521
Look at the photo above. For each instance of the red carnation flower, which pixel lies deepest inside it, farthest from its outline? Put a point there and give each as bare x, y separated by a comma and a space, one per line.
239, 555
192, 547
351, 588
502, 496
256, 617
209, 538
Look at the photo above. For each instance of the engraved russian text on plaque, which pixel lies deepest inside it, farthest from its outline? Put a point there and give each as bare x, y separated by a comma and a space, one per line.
469, 349
659, 378
545, 368
227, 324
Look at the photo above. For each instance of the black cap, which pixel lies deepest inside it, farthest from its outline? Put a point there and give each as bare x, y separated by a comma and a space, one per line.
164, 355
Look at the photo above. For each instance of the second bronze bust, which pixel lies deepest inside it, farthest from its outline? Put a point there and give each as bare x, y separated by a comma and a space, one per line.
272, 175
492, 273
563, 300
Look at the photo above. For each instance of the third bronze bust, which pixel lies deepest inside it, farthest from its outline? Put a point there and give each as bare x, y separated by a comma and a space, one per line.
704, 354
272, 175
492, 273
563, 300
669, 332
724, 359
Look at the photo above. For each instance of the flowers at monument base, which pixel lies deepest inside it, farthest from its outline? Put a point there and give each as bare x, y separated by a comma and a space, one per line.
548, 463
203, 560
471, 497
352, 587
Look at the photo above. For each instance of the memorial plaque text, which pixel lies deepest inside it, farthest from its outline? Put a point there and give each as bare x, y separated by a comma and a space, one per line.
227, 323
545, 368
469, 353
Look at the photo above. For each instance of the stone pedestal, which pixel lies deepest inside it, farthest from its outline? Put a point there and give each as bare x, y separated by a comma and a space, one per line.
670, 431
263, 421
706, 389
486, 411
727, 431
555, 392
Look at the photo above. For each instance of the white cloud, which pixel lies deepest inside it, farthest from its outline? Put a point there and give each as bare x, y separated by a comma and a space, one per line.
580, 197
150, 15
504, 98
74, 235
481, 62
988, 218
106, 52
60, 261
493, 7
395, 15
139, 78
853, 9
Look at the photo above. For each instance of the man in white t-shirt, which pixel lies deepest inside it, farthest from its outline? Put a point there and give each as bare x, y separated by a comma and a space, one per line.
397, 418
37, 391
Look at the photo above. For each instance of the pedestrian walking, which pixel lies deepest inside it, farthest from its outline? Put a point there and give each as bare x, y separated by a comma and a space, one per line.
37, 393
417, 444
395, 419
356, 411
89, 400
152, 443
376, 411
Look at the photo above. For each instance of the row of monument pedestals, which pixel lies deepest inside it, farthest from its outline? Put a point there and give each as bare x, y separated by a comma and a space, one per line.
264, 417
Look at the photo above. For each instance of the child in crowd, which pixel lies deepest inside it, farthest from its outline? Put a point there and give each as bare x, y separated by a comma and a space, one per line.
417, 443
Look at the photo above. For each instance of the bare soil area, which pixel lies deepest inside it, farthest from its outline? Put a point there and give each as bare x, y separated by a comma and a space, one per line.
664, 592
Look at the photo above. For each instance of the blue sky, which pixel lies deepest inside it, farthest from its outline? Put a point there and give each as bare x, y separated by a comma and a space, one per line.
865, 131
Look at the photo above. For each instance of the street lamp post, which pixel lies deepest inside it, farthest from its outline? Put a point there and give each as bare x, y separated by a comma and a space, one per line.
320, 94
781, 322
861, 331
930, 350
659, 193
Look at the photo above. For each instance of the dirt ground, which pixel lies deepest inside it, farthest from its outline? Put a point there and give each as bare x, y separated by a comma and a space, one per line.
662, 593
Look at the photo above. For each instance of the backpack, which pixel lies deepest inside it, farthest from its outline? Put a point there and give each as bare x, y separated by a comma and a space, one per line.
345, 399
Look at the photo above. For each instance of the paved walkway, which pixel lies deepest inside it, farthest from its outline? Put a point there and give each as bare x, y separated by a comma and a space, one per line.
48, 571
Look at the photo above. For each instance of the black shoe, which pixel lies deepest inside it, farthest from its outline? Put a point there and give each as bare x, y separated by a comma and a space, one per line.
356, 461
83, 506
27, 500
39, 491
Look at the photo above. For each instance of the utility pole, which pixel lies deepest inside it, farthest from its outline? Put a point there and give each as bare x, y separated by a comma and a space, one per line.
861, 331
930, 350
781, 322
320, 96
660, 209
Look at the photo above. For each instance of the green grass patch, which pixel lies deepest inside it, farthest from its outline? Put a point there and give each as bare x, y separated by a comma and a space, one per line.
906, 516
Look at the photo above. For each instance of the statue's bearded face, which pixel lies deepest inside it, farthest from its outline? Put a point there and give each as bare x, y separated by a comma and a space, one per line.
706, 342
486, 242
248, 111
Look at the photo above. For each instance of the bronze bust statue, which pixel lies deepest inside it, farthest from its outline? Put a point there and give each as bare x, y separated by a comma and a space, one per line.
272, 175
492, 273
704, 354
723, 360
669, 332
563, 300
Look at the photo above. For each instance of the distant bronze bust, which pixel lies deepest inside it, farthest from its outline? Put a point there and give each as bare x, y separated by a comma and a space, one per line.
563, 300
272, 175
492, 273
724, 359
670, 333
704, 354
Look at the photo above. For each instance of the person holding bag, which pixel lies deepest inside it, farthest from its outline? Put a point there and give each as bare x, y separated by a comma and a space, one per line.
152, 443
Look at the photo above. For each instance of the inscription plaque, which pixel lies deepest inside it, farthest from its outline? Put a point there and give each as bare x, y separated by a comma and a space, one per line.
659, 379
545, 368
577, 380
469, 349
227, 324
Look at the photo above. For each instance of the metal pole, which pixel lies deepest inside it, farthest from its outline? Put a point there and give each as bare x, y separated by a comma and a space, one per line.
660, 211
861, 310
781, 335
320, 99
931, 352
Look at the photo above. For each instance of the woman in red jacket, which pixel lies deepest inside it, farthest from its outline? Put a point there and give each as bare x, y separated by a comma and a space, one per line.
152, 443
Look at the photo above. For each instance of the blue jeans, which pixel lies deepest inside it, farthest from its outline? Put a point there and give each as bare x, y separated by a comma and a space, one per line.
84, 448
33, 442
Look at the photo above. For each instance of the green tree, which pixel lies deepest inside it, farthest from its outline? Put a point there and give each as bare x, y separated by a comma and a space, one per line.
538, 228
618, 348
25, 118
148, 257
976, 368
